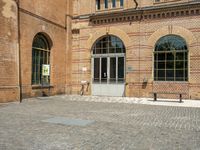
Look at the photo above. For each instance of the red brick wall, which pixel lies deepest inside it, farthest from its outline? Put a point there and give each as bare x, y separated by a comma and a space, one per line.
8, 51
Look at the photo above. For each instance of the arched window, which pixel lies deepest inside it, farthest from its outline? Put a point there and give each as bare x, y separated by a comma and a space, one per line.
108, 60
40, 56
171, 59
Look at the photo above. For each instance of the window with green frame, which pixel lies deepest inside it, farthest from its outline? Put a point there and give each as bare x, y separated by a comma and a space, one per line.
171, 59
40, 56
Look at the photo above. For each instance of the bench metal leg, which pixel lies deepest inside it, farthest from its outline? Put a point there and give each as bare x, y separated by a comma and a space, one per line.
155, 96
180, 98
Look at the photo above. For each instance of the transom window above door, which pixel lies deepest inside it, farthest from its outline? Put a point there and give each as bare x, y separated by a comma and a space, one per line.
108, 45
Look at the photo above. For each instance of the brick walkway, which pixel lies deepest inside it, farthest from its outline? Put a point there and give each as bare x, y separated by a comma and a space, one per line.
113, 125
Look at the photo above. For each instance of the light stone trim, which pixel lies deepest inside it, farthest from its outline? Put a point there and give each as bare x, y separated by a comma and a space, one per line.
111, 31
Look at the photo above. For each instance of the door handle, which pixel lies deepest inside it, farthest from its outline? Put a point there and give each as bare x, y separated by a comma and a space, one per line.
104, 74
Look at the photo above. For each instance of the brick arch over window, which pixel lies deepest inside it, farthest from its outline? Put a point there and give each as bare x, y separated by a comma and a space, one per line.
175, 30
179, 31
111, 31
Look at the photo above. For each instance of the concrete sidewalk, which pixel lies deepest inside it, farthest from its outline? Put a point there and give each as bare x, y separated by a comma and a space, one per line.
134, 100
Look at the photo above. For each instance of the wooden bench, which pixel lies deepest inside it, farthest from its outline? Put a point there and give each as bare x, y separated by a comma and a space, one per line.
175, 93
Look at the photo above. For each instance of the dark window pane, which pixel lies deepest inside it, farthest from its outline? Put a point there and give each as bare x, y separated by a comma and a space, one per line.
113, 3
170, 75
104, 51
98, 45
161, 56
161, 73
98, 4
121, 3
112, 50
113, 69
111, 47
119, 50
105, 44
180, 56
170, 65
170, 56
121, 67
186, 55
98, 51
106, 3
179, 64
186, 64
186, 75
179, 73
96, 69
104, 69
161, 65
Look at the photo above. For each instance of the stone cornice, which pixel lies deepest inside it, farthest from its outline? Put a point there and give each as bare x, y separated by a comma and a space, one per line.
147, 13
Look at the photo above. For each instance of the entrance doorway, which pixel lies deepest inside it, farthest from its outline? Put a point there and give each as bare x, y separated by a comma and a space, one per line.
108, 67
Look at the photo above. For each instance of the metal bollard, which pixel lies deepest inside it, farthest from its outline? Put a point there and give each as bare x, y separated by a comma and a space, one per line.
155, 96
180, 98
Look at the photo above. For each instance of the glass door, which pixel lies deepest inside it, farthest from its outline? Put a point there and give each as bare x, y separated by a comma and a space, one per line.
104, 74
113, 69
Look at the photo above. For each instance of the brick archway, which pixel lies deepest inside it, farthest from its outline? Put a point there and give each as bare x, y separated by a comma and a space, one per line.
112, 31
176, 30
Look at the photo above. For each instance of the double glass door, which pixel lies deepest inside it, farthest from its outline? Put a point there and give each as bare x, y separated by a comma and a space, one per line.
108, 69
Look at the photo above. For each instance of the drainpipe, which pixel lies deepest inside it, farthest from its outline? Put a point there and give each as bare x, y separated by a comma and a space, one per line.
19, 52
136, 4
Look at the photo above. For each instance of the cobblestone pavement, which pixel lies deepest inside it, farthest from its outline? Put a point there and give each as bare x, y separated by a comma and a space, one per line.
115, 126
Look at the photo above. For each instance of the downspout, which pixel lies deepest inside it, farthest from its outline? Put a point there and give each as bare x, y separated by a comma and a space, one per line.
136, 4
19, 52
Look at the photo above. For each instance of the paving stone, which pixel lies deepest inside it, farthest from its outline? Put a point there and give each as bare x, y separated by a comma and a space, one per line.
116, 125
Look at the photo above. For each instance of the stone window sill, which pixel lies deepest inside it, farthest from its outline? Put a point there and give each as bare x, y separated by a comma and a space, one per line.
42, 87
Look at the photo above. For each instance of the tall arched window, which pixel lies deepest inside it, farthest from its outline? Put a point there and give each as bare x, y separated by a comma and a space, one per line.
108, 60
40, 56
171, 59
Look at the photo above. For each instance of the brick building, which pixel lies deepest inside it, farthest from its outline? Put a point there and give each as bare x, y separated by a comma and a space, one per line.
112, 47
